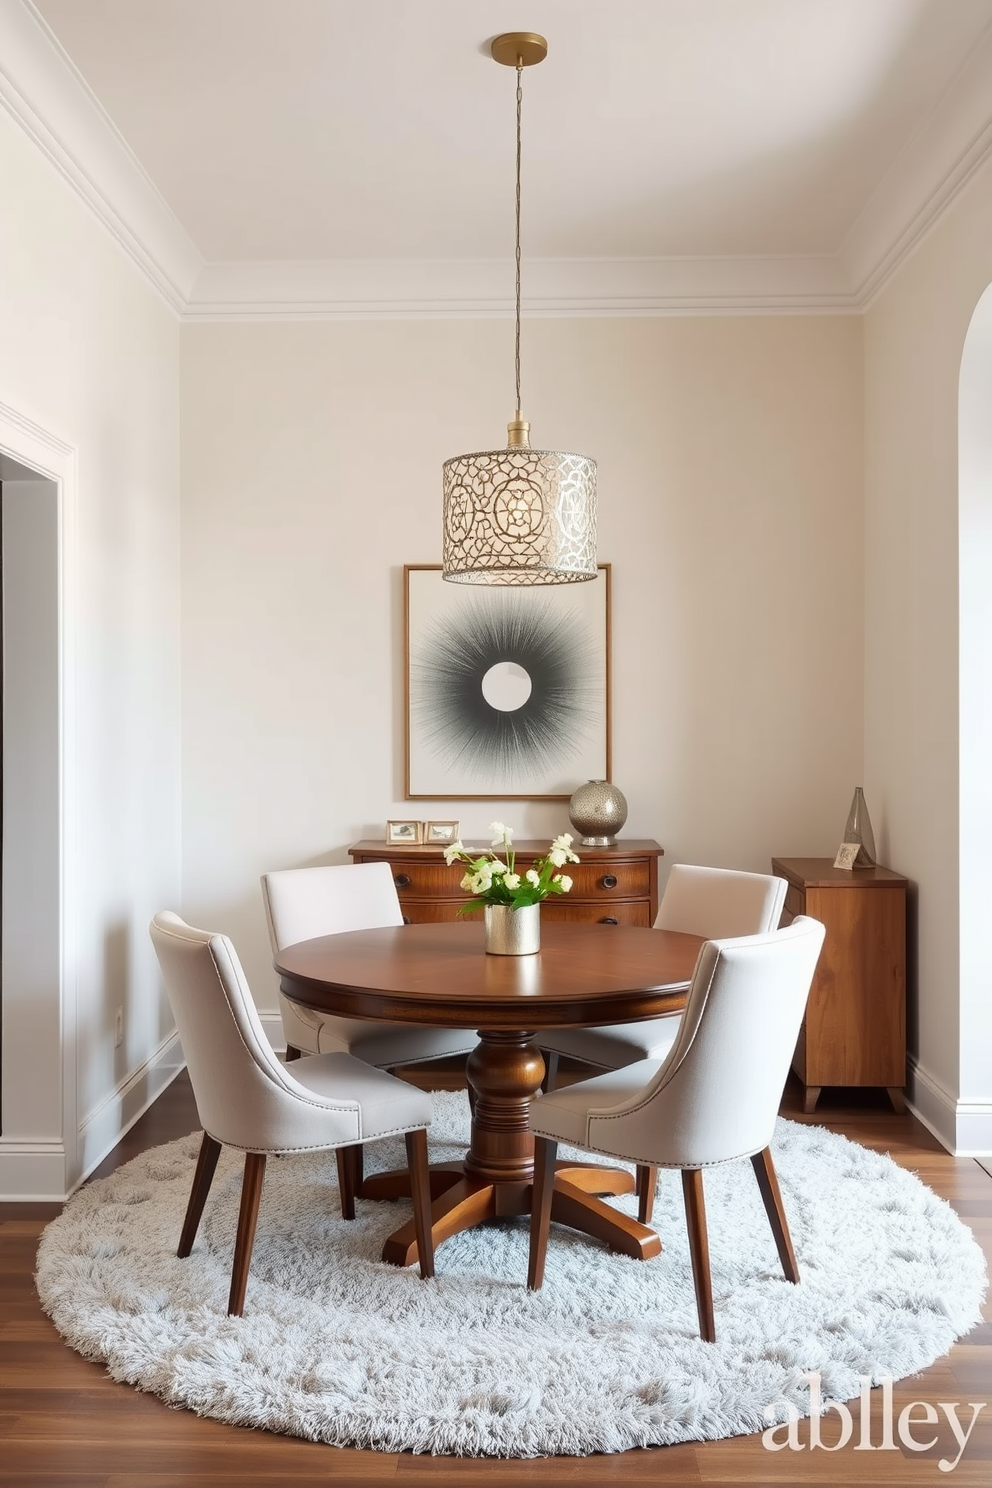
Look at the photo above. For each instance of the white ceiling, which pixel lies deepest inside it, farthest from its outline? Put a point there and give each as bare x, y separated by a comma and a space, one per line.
358, 131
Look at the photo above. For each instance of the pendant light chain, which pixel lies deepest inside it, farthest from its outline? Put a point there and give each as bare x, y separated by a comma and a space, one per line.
516, 354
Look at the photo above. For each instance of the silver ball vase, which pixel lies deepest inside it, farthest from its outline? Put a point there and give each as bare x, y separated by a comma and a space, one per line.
597, 811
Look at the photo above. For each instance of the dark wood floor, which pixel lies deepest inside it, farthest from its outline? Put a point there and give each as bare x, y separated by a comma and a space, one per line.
64, 1422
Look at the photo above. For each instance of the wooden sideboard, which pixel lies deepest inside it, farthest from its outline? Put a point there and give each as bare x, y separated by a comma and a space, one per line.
854, 1032
610, 885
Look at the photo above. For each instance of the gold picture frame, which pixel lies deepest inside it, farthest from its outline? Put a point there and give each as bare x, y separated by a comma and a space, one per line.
404, 833
441, 833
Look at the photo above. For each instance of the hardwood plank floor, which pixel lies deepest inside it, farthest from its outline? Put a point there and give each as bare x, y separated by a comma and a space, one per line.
64, 1422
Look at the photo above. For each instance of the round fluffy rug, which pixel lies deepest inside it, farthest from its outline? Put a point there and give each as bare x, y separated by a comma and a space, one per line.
337, 1347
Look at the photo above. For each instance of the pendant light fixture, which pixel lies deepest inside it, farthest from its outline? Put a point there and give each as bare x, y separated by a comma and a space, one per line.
519, 515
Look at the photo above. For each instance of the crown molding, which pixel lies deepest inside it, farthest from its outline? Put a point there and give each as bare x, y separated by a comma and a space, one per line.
934, 166
380, 289
42, 91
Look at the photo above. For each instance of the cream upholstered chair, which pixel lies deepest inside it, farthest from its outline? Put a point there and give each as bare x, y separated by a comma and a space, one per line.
302, 903
248, 1099
713, 902
714, 1098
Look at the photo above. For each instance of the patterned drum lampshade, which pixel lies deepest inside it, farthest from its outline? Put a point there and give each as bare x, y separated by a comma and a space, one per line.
519, 516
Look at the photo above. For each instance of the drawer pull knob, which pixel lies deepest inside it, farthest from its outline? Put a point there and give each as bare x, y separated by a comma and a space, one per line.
609, 920
402, 880
609, 880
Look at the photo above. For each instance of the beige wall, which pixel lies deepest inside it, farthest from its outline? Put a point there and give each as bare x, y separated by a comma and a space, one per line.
730, 459
917, 617
89, 353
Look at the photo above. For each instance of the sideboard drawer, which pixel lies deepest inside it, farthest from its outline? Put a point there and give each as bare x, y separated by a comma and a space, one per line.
578, 911
617, 885
427, 880
609, 881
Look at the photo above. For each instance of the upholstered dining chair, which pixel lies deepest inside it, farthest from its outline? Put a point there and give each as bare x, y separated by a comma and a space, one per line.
713, 1099
247, 1099
303, 903
712, 902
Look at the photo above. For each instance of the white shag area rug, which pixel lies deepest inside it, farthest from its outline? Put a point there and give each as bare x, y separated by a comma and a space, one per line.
336, 1346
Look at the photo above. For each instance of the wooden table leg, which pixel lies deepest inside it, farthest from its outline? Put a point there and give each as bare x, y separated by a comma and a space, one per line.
495, 1180
395, 1184
505, 1069
463, 1206
594, 1179
583, 1211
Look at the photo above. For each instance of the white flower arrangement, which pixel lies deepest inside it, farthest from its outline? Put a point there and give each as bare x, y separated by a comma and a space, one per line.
492, 878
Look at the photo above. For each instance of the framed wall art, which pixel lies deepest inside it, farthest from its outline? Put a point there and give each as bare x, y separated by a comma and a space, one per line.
507, 689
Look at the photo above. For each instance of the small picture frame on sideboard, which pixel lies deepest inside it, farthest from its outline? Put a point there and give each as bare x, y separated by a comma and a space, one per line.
441, 832
847, 854
404, 833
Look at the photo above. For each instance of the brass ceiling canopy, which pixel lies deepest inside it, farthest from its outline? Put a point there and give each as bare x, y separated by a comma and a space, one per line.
519, 48
519, 515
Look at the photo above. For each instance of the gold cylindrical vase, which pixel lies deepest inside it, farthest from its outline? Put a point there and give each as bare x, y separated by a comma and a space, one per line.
512, 932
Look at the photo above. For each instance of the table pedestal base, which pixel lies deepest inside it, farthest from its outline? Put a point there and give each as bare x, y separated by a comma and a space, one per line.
495, 1181
464, 1201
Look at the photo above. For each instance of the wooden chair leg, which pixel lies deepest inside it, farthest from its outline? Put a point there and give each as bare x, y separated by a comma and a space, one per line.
550, 1071
695, 1218
647, 1182
206, 1166
346, 1180
292, 1052
420, 1189
545, 1153
251, 1194
356, 1167
764, 1171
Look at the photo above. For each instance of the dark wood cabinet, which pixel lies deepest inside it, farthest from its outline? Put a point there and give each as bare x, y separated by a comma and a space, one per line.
610, 885
854, 1032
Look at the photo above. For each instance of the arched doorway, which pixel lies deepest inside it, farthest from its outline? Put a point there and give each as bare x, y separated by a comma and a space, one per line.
975, 714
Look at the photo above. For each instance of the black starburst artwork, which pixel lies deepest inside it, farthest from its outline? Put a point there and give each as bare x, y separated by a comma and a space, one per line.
539, 714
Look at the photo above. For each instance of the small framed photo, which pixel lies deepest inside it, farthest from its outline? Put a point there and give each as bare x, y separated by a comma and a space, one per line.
441, 831
407, 833
847, 854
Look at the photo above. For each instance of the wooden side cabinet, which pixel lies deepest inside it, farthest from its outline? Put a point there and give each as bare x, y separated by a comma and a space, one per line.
610, 885
854, 1032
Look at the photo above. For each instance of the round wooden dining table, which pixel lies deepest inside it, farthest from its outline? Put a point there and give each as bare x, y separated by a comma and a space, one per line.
440, 974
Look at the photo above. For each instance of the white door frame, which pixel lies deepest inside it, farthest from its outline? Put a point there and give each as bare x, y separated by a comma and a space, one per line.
44, 1163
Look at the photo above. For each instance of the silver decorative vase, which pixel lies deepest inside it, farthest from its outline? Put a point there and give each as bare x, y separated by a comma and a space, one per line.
512, 932
859, 830
597, 811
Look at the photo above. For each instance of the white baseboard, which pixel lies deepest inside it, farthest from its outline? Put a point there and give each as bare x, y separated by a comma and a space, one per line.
41, 1171
32, 1171
103, 1128
974, 1129
963, 1127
